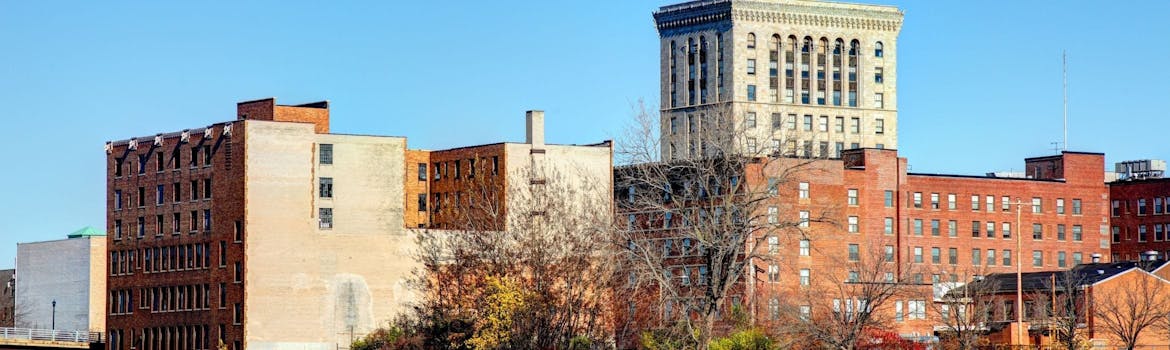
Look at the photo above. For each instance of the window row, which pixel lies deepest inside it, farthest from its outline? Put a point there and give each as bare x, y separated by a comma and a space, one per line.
178, 298
1141, 206
988, 203
196, 220
121, 302
684, 275
197, 189
138, 163
1144, 233
807, 122
456, 168
195, 337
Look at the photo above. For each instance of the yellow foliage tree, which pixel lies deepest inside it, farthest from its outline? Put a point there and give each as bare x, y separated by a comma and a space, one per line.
503, 300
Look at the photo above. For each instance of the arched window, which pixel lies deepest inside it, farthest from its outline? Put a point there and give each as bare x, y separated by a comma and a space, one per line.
751, 40
808, 45
877, 49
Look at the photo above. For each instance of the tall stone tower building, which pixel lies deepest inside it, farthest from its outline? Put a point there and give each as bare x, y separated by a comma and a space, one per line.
790, 77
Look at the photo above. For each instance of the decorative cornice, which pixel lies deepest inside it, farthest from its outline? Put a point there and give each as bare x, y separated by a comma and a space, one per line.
817, 20
830, 15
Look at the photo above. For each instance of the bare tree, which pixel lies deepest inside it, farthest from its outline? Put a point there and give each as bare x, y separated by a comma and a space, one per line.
544, 248
1061, 308
965, 308
1130, 306
852, 299
697, 219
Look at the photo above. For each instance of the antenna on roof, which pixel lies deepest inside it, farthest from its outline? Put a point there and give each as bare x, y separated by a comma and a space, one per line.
1064, 77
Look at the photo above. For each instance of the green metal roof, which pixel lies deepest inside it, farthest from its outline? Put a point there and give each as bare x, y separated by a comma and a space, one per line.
87, 231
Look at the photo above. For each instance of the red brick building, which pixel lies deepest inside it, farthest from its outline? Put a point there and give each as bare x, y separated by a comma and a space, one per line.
1139, 213
941, 228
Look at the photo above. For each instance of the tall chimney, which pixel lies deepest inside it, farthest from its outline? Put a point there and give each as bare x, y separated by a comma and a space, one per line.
535, 128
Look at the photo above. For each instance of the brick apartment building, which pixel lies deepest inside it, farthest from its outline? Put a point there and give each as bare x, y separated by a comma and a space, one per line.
943, 228
270, 232
1139, 217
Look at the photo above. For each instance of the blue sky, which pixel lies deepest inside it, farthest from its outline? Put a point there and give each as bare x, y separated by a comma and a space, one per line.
979, 82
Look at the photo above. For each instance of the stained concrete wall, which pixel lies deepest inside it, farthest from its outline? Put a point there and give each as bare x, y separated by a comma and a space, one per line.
307, 287
70, 271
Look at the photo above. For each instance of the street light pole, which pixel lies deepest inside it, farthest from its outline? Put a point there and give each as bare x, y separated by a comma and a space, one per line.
1019, 273
54, 319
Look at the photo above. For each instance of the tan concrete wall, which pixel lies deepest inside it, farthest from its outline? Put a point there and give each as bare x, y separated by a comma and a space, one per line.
306, 288
97, 283
581, 168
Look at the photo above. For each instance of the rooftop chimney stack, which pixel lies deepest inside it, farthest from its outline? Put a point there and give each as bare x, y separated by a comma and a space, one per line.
535, 128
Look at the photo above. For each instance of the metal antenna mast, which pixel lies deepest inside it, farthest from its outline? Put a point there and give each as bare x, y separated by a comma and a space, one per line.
1064, 76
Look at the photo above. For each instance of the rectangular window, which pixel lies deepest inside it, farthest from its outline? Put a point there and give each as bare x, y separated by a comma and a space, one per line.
750, 119
141, 231
1037, 206
878, 100
953, 256
952, 201
990, 203
206, 188
804, 247
855, 125
852, 195
117, 199
141, 197
854, 252
934, 201
889, 253
804, 218
991, 257
918, 255
207, 219
176, 223
159, 194
1060, 236
975, 227
1005, 204
976, 256
839, 124
326, 154
802, 189
1141, 232
935, 255
1141, 206
990, 229
774, 216
1037, 258
422, 171
804, 277
935, 229
879, 126
194, 190
953, 228
917, 199
877, 75
889, 226
1007, 257
917, 227
853, 225
325, 218
1077, 258
422, 202
325, 187
1060, 205
1116, 234
237, 319
751, 66
1116, 206
751, 92
1060, 260
823, 123
808, 123
1076, 206
974, 202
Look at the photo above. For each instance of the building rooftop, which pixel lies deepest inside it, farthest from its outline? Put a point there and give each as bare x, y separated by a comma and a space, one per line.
87, 231
1082, 275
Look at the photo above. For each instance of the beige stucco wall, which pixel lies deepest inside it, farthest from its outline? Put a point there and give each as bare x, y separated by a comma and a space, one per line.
306, 288
587, 170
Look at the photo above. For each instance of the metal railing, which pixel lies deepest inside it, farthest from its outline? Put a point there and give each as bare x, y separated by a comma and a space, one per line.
49, 335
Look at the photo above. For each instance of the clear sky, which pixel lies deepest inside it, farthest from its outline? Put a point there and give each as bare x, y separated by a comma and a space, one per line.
979, 82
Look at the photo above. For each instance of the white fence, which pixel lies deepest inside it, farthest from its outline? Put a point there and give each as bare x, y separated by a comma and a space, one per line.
49, 335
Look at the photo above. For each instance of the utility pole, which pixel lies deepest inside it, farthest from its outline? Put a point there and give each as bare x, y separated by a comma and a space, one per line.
53, 325
1019, 273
